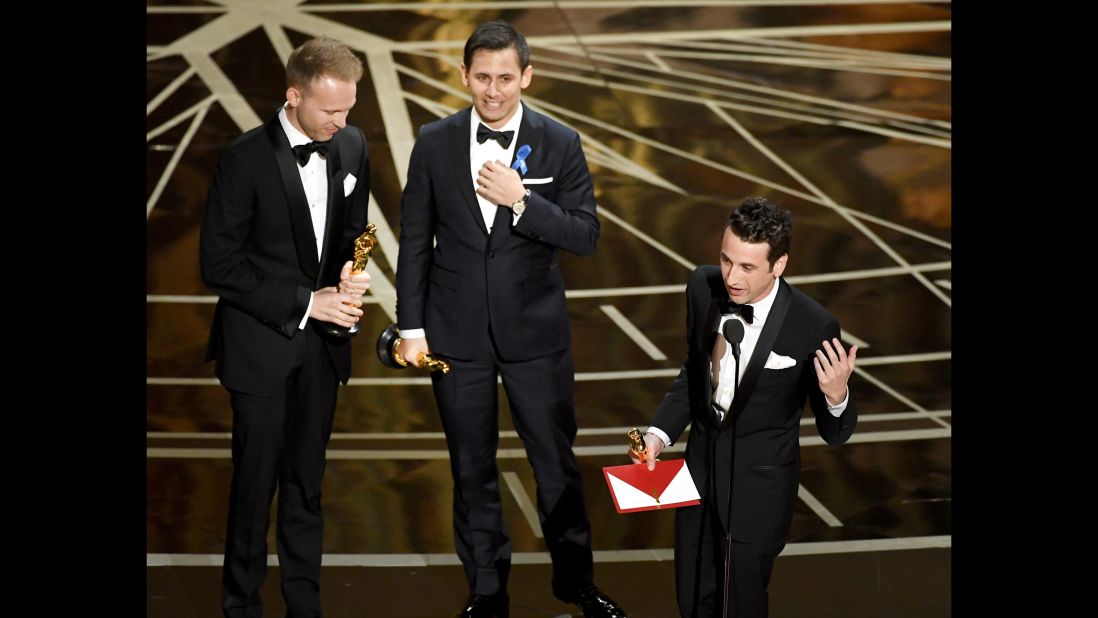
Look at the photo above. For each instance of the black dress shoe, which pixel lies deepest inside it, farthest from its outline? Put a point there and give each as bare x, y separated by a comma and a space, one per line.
597, 605
485, 606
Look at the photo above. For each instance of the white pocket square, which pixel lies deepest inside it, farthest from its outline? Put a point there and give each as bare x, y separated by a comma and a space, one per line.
349, 184
777, 361
537, 181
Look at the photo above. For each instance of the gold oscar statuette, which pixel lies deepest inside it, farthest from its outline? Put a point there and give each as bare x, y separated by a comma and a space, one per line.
636, 445
426, 361
364, 248
388, 342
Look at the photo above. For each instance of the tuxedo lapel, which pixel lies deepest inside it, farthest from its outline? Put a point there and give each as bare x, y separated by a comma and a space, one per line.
706, 339
334, 223
459, 156
709, 335
300, 221
763, 347
530, 133
500, 224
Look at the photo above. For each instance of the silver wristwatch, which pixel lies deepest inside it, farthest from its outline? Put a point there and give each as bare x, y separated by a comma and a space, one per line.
519, 206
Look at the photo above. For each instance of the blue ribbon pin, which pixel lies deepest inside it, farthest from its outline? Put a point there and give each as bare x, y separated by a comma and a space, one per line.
520, 158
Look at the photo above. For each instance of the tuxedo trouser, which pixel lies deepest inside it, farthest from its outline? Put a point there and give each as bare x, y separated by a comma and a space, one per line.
541, 396
279, 441
699, 567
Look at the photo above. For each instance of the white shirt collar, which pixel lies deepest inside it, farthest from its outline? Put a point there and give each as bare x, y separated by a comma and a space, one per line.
762, 307
296, 137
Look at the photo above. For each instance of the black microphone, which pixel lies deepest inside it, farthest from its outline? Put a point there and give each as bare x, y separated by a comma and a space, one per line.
733, 334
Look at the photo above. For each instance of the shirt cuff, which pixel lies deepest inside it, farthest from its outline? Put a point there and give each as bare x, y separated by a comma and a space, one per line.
308, 309
413, 333
837, 410
661, 435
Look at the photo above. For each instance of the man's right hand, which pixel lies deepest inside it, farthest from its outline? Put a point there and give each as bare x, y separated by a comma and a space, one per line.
410, 350
330, 305
654, 445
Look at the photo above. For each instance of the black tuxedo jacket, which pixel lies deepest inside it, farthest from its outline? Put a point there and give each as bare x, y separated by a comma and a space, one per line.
764, 422
508, 279
258, 252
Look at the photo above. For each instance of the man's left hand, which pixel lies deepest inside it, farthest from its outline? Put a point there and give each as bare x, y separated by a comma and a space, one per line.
833, 369
355, 285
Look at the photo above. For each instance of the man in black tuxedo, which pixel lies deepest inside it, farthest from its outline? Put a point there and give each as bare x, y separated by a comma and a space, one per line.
501, 188
790, 353
287, 202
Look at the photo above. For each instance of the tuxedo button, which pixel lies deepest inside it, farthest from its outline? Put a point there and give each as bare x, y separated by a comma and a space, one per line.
491, 254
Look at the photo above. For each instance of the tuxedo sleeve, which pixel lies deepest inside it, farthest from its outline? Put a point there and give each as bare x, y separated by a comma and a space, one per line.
673, 414
834, 430
417, 230
226, 269
571, 223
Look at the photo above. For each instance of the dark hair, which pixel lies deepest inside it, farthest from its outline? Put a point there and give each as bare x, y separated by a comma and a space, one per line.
496, 35
757, 220
321, 57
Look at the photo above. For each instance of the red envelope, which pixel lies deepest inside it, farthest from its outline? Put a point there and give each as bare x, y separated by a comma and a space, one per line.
635, 488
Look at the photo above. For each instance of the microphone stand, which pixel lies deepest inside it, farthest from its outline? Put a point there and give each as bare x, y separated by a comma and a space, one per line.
731, 463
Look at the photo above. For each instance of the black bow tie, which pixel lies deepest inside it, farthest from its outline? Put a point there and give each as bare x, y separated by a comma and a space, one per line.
747, 312
503, 137
304, 151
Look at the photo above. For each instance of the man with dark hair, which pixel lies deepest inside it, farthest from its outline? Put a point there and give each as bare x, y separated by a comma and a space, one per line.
288, 200
745, 425
493, 192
